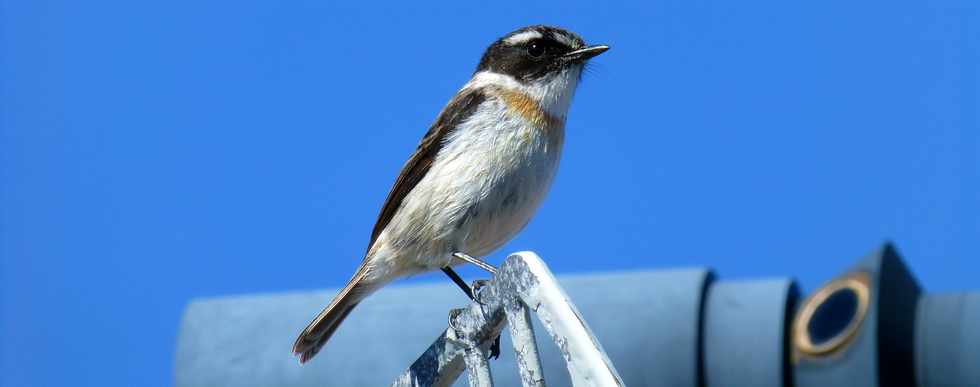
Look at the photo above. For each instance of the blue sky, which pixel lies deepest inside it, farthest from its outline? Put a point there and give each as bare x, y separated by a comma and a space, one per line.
156, 152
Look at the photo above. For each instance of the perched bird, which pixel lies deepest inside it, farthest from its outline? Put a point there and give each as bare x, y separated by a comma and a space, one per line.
479, 173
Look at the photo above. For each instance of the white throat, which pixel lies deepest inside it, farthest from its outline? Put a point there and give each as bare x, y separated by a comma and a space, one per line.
553, 93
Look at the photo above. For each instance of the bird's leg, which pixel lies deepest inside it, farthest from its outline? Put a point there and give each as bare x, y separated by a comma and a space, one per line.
495, 347
476, 261
459, 282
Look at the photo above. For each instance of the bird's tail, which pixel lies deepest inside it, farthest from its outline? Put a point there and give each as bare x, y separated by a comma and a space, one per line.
316, 334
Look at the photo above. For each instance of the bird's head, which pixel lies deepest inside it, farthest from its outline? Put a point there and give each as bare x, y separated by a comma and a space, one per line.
537, 52
545, 62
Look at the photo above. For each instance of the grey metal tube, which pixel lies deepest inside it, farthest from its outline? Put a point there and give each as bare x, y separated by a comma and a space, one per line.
647, 321
870, 326
947, 347
745, 333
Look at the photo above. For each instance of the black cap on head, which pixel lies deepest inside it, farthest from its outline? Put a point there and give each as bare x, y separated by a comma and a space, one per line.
534, 52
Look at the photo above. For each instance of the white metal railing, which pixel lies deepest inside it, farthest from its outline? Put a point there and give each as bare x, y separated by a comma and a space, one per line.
522, 284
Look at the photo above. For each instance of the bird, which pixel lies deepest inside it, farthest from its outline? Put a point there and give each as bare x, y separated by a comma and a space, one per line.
477, 176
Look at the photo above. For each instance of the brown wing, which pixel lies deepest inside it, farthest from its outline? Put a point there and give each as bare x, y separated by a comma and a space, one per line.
456, 111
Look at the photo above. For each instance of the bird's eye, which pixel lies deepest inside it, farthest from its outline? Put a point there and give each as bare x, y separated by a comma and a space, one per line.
535, 50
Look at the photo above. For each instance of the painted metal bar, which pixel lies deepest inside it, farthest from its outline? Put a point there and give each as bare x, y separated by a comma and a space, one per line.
537, 288
471, 329
522, 282
478, 368
439, 366
525, 346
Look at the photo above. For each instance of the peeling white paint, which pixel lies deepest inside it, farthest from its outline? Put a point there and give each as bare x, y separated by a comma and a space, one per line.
522, 280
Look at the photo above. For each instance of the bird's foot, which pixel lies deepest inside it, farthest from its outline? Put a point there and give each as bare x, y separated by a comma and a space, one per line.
477, 289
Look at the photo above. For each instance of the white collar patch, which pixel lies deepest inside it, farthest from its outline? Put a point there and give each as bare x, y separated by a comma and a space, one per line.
554, 93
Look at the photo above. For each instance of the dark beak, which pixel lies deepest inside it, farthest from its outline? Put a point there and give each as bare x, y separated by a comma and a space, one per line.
584, 54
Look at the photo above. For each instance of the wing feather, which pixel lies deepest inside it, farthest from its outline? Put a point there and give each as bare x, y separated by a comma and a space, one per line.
461, 107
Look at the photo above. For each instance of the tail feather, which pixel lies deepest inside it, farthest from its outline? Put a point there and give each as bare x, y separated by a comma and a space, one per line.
316, 334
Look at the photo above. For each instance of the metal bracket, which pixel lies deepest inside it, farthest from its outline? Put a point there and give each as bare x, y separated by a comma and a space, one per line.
522, 284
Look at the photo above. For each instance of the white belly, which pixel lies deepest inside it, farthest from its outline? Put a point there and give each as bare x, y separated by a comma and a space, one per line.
485, 185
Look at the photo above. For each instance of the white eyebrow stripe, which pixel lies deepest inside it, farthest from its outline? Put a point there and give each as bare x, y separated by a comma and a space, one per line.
522, 37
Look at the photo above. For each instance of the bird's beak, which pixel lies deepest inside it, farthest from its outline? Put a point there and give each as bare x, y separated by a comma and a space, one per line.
584, 54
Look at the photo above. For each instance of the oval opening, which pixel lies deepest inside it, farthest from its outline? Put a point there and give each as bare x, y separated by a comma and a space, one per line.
831, 318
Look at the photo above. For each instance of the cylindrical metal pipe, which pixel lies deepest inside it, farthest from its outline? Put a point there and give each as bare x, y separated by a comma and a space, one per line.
658, 329
647, 322
745, 333
947, 340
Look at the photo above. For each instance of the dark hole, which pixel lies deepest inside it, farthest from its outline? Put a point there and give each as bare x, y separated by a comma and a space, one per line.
832, 316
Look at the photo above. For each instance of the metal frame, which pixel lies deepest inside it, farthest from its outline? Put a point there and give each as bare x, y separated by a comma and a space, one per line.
522, 284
